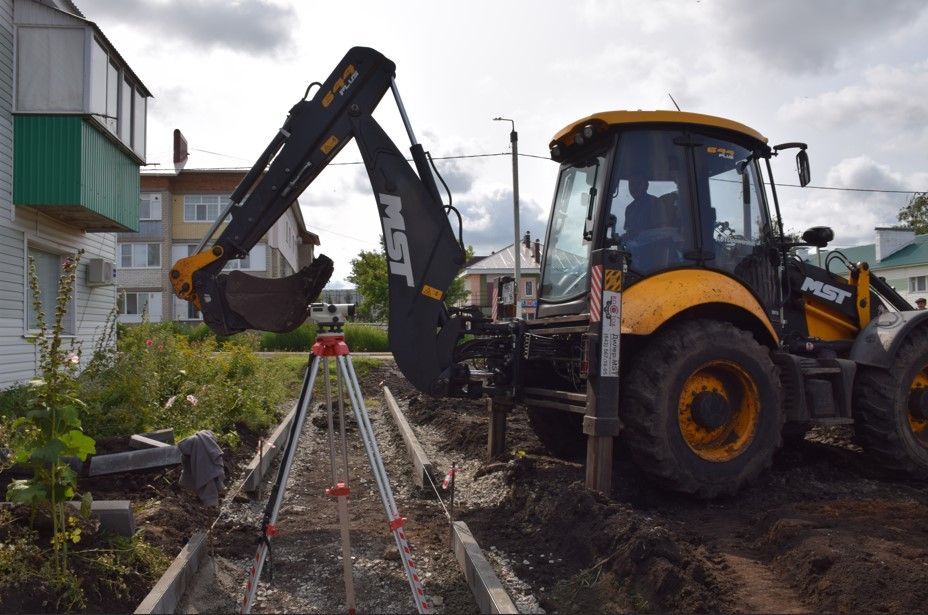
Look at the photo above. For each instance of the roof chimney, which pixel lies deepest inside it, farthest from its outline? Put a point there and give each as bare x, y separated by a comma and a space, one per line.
527, 240
180, 150
537, 251
891, 240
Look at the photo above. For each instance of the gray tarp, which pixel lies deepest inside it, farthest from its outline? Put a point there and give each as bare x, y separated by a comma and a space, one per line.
202, 468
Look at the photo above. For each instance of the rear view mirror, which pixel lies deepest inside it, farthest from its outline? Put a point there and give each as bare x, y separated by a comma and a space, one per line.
802, 167
818, 236
802, 161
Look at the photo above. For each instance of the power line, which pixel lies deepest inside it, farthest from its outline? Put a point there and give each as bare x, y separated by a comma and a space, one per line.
887, 191
522, 155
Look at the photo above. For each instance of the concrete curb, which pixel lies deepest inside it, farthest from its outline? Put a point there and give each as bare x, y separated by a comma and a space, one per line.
117, 463
114, 515
486, 587
172, 585
261, 463
422, 467
489, 592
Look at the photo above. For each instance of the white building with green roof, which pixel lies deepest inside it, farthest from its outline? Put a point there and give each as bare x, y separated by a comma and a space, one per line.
899, 256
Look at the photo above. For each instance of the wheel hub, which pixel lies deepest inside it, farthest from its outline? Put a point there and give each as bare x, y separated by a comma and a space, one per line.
711, 410
918, 404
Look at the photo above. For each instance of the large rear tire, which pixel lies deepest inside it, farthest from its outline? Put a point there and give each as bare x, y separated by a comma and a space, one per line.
701, 408
560, 432
891, 408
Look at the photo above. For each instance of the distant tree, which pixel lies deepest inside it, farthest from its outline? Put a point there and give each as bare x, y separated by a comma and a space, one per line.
457, 292
369, 275
915, 214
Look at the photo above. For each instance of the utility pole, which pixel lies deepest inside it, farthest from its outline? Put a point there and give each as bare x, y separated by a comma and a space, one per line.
514, 141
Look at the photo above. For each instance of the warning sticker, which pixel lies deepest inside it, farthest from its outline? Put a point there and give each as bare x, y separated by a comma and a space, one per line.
612, 329
432, 292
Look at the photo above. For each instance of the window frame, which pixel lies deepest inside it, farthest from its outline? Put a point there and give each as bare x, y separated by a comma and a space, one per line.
222, 200
150, 197
69, 323
141, 299
913, 283
132, 264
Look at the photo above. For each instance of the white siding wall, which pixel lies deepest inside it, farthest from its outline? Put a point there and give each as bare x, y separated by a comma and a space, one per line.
279, 237
92, 305
898, 277
6, 112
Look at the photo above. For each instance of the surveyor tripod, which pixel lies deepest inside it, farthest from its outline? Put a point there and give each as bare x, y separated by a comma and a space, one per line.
331, 343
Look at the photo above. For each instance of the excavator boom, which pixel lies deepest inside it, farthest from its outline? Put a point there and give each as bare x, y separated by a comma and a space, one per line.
423, 254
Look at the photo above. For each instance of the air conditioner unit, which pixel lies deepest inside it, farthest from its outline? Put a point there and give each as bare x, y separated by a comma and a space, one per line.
100, 272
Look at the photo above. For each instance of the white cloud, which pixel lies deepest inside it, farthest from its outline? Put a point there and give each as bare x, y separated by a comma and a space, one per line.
891, 98
802, 36
852, 214
245, 26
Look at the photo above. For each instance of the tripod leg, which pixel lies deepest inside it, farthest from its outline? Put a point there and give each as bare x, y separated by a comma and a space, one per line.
340, 489
280, 486
383, 483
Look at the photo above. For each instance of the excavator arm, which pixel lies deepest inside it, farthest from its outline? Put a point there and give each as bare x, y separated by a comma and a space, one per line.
423, 254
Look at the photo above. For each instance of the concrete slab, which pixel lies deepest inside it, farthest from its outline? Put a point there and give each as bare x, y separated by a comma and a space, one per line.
169, 589
261, 462
115, 515
489, 593
161, 435
422, 467
138, 441
133, 460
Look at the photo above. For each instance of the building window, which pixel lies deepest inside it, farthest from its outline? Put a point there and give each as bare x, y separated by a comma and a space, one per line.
47, 270
140, 255
134, 305
918, 284
150, 206
529, 288
203, 207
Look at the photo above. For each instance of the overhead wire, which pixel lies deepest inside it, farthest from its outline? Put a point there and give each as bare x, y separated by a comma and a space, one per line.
535, 156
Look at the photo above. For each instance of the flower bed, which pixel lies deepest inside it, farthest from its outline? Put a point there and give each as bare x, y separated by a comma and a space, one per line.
53, 557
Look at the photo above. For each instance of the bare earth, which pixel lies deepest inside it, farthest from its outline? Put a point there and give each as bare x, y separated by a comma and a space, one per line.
822, 531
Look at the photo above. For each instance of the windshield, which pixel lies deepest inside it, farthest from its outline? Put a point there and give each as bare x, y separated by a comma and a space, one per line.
567, 254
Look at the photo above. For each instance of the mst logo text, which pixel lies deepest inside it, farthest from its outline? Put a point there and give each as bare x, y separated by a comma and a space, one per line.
825, 291
394, 236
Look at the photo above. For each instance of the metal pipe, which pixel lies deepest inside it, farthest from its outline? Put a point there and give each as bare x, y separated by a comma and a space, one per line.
399, 104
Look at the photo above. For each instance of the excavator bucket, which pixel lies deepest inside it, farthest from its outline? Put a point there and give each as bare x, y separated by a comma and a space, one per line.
239, 301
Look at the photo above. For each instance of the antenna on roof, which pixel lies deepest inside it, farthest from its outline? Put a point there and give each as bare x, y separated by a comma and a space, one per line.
673, 101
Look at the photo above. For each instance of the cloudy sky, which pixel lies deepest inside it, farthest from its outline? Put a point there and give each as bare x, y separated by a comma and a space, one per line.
850, 78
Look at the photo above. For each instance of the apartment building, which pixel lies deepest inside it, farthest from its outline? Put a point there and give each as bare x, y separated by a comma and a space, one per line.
73, 118
176, 208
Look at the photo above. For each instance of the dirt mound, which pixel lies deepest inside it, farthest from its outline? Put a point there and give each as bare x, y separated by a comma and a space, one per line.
624, 558
852, 554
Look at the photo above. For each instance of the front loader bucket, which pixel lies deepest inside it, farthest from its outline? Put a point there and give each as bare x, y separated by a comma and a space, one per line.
239, 301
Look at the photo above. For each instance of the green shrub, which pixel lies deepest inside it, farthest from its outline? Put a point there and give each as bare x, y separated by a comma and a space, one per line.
364, 338
161, 379
299, 340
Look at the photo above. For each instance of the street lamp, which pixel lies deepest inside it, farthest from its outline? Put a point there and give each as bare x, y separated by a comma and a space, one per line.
514, 140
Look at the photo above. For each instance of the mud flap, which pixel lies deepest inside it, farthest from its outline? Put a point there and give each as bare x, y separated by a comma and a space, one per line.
237, 301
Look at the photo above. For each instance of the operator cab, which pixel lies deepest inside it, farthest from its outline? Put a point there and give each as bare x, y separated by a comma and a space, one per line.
670, 189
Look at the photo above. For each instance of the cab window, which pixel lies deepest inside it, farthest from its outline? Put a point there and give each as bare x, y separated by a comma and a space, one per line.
650, 203
735, 230
567, 254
